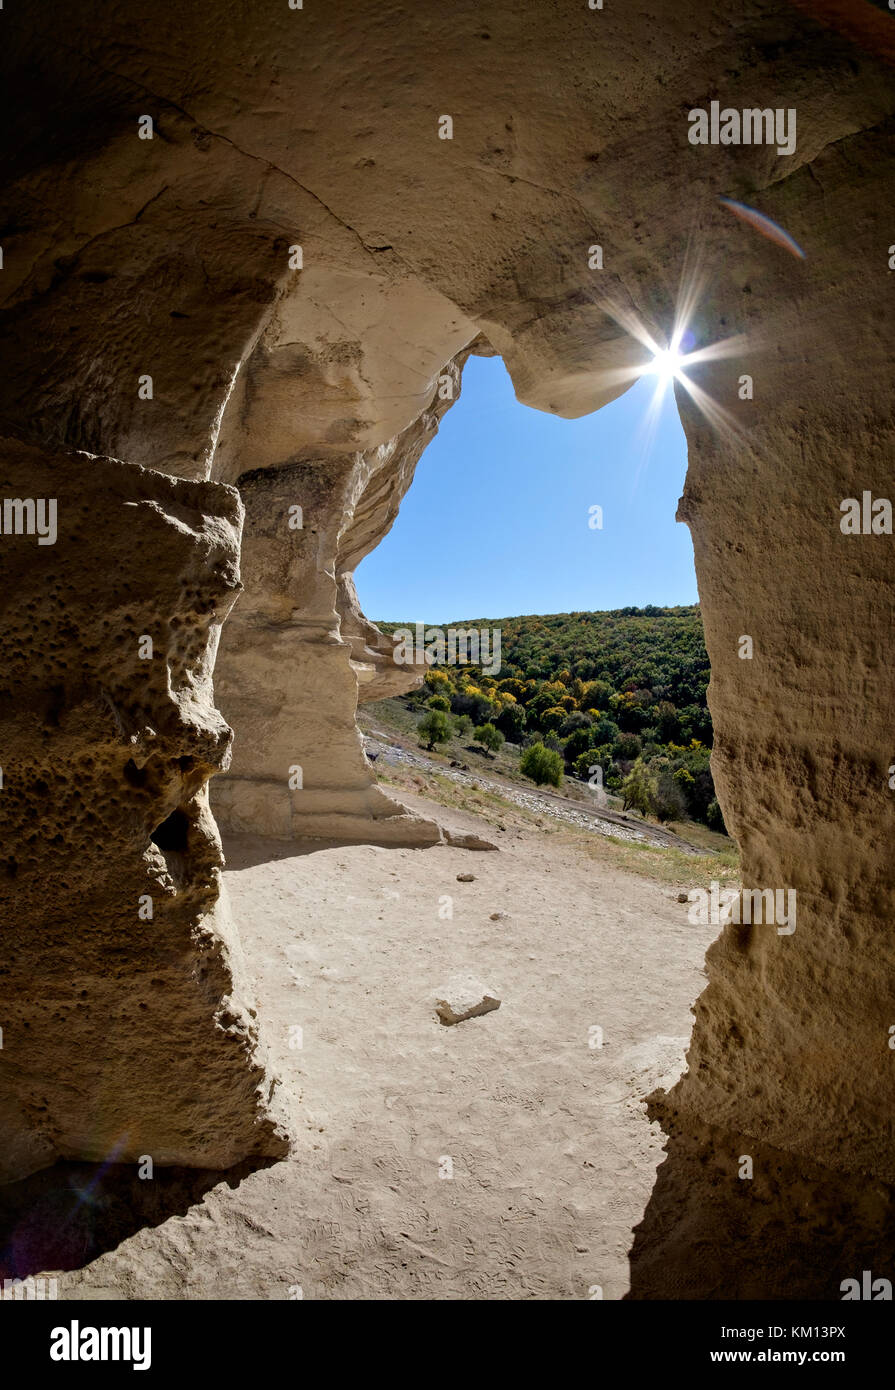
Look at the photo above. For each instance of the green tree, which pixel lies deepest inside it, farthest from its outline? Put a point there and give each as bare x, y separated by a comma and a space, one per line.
575, 720
643, 671
597, 694
584, 763
489, 737
637, 790
605, 731
668, 724
439, 702
463, 725
478, 707
627, 747
669, 799
577, 743
433, 728
511, 722
541, 765
438, 682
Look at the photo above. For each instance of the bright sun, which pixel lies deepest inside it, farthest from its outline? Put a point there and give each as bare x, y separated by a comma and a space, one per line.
671, 365
666, 363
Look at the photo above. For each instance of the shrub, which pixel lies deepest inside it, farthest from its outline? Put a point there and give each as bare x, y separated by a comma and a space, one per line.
439, 702
433, 728
463, 725
511, 722
637, 789
713, 817
541, 765
474, 703
438, 681
669, 801
489, 737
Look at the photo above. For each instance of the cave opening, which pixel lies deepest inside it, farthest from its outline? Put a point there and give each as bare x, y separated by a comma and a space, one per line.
513, 510
549, 548
172, 836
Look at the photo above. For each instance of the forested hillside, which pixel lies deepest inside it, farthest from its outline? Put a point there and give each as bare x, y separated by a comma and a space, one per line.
622, 692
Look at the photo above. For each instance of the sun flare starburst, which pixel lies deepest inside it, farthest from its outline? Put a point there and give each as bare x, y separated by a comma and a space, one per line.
671, 363
666, 364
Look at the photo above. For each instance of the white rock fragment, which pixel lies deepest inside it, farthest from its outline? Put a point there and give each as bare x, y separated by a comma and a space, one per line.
463, 997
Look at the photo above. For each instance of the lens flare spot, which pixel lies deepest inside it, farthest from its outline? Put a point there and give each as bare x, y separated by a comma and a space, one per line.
765, 225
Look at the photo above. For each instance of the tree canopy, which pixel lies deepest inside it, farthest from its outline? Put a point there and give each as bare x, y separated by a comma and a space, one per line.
610, 688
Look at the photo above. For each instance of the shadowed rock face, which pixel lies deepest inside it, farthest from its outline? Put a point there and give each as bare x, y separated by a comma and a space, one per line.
795, 1026
312, 379
300, 651
127, 1026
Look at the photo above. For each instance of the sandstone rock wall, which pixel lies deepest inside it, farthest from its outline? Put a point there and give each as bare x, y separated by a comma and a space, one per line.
313, 380
128, 1023
794, 1027
300, 651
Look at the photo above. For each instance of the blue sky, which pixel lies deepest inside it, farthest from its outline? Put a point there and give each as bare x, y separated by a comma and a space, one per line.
495, 524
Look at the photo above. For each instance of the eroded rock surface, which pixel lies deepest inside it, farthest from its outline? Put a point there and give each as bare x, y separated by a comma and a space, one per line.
308, 381
301, 653
128, 1024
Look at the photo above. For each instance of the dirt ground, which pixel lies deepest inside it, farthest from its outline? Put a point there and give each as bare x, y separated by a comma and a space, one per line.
551, 1157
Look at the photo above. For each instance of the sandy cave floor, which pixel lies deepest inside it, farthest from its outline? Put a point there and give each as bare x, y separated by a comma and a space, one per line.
553, 1157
